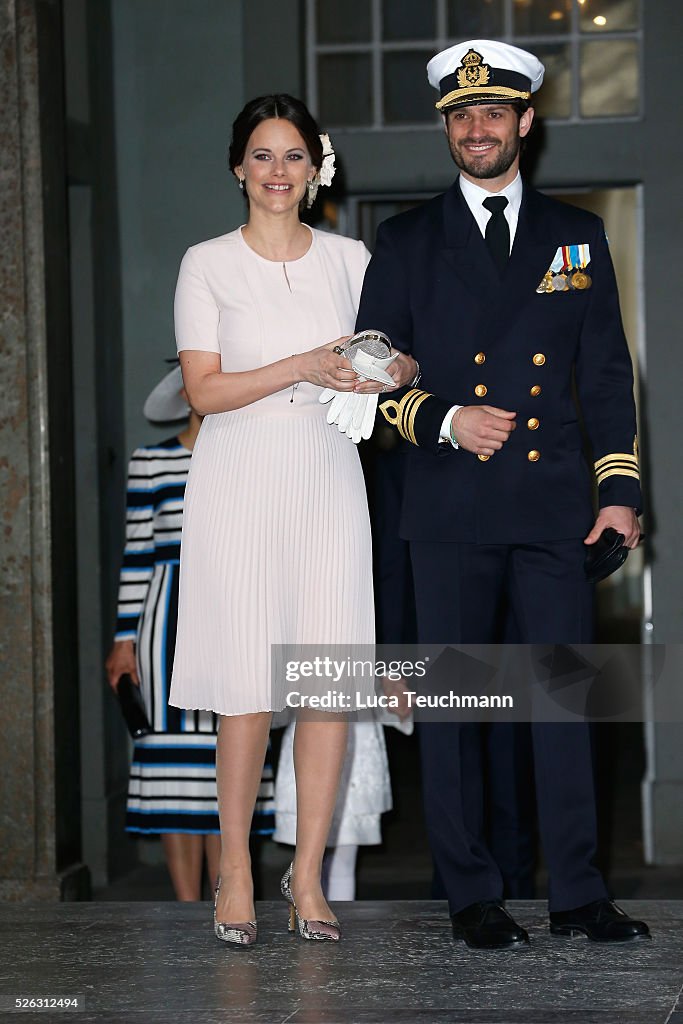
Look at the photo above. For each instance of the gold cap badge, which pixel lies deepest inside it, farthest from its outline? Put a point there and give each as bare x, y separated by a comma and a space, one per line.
473, 72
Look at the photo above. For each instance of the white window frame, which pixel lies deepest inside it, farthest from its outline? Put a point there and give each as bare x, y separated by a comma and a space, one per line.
376, 48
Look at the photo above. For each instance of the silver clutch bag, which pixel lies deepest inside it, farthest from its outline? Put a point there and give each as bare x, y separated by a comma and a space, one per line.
369, 353
372, 343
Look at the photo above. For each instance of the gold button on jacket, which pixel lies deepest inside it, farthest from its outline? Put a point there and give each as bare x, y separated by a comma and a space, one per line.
480, 358
483, 458
533, 455
480, 390
535, 391
532, 423
539, 359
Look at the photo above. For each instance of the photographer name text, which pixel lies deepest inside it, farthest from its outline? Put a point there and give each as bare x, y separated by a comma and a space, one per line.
338, 700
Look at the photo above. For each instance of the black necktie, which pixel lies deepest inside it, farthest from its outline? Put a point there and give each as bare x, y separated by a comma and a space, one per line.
497, 231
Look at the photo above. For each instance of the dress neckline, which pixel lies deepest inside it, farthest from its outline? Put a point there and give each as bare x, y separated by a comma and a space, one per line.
277, 263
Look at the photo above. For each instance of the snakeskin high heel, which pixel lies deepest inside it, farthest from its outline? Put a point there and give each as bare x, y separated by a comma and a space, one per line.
320, 931
238, 934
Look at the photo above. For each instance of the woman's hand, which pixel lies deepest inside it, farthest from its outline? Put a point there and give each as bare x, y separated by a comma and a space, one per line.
121, 661
326, 368
403, 370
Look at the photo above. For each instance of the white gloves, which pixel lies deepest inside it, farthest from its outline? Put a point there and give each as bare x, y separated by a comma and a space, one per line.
355, 414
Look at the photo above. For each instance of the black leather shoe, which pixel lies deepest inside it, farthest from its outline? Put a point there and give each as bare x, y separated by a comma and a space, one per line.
602, 921
488, 925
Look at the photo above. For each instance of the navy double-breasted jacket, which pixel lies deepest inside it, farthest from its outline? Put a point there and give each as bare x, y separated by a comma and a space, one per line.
483, 339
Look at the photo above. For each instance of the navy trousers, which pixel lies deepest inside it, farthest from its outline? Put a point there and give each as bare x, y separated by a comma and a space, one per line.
459, 592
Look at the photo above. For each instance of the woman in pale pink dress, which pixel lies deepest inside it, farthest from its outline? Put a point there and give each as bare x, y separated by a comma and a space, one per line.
276, 537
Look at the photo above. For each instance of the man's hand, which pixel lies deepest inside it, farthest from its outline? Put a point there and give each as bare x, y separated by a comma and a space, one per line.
482, 429
403, 370
622, 518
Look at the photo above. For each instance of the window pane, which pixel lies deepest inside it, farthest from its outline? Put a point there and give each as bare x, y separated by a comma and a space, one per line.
542, 17
608, 15
350, 22
345, 89
408, 21
408, 98
475, 18
554, 99
609, 78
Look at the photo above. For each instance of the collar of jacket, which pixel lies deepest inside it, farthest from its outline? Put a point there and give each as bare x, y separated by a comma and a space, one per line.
466, 251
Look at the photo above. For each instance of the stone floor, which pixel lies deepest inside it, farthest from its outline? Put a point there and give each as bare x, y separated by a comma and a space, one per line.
136, 956
159, 963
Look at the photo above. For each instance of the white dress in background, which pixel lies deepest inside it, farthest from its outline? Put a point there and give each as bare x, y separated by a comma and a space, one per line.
364, 789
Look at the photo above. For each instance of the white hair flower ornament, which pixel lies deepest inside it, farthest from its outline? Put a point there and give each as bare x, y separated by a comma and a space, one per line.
326, 173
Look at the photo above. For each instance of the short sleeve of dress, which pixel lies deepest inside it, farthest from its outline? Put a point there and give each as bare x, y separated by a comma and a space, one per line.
195, 311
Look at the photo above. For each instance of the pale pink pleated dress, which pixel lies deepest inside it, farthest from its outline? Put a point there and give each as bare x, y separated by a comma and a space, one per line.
276, 536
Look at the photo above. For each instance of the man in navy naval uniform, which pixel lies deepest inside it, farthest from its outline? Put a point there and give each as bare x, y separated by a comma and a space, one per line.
507, 301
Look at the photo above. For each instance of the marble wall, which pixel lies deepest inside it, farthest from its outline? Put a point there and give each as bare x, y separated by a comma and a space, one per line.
27, 781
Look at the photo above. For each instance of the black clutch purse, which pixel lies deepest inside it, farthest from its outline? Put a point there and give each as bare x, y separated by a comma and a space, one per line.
133, 707
605, 556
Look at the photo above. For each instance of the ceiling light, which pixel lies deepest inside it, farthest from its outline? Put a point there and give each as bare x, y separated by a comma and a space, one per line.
556, 15
600, 21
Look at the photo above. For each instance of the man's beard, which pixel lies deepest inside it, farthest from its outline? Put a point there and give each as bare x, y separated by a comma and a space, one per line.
488, 165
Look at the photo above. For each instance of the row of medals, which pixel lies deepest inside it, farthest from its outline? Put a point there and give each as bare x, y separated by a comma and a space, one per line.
573, 280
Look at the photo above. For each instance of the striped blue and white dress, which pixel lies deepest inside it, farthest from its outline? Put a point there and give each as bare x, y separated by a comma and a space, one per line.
172, 784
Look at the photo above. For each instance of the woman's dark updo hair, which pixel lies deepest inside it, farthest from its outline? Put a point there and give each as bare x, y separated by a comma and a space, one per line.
263, 108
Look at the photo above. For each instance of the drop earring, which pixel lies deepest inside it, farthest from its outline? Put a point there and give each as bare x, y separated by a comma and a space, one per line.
240, 182
311, 191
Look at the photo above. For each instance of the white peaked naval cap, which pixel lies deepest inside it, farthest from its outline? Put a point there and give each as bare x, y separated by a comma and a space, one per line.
484, 71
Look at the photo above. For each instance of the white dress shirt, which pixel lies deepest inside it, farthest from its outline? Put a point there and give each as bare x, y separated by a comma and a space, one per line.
474, 196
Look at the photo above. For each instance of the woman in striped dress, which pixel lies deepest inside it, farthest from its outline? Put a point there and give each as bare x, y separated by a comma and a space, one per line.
172, 788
